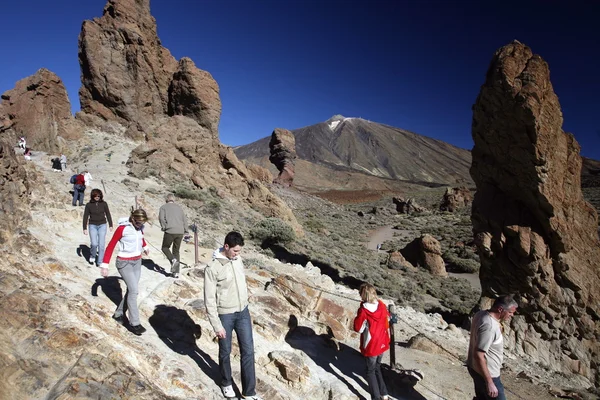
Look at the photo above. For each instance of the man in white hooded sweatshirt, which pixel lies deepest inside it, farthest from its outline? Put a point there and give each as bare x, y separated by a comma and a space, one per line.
226, 300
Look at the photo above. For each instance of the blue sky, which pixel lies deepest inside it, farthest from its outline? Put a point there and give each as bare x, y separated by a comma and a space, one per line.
414, 65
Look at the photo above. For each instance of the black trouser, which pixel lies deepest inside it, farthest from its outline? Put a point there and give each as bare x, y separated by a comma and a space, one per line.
175, 240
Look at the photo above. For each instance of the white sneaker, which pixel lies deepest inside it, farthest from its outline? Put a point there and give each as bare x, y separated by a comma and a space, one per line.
255, 397
228, 391
92, 260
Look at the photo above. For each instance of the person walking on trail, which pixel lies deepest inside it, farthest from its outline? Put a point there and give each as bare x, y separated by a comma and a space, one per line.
22, 143
372, 322
130, 237
78, 190
174, 225
486, 346
97, 214
226, 300
63, 162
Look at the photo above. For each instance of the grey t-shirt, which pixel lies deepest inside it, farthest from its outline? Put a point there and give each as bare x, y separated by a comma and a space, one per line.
486, 336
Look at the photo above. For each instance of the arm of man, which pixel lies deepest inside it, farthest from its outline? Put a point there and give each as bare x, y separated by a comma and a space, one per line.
185, 223
210, 301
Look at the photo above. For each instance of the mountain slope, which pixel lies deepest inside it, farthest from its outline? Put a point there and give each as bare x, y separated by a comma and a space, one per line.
378, 150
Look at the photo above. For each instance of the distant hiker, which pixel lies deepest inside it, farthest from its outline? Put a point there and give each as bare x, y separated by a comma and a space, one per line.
378, 246
63, 162
373, 324
88, 177
226, 300
22, 143
96, 213
27, 153
78, 189
174, 225
130, 236
56, 164
486, 347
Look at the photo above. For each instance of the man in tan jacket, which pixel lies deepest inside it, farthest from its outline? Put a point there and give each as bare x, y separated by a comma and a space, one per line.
226, 300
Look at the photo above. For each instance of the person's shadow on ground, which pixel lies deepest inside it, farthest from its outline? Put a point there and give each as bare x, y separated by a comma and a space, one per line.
111, 288
179, 332
152, 266
330, 355
335, 356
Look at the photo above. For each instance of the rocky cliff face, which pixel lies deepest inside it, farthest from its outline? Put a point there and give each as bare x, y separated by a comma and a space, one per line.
283, 154
125, 71
39, 109
536, 235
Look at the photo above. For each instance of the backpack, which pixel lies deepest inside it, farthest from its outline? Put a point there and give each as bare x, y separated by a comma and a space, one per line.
73, 178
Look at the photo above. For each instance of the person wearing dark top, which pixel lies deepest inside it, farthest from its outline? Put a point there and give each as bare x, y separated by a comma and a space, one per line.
96, 214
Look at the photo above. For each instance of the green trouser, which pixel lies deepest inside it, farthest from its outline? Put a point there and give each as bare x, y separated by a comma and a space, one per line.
173, 239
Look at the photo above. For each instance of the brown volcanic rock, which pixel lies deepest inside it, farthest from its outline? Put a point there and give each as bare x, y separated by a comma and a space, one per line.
39, 109
283, 154
536, 235
426, 252
14, 191
195, 94
456, 198
125, 71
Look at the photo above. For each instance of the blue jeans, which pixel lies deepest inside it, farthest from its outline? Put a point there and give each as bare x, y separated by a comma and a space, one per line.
78, 195
241, 323
97, 239
481, 386
377, 386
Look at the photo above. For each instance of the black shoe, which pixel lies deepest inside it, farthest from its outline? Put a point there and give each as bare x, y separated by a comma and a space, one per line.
137, 329
119, 319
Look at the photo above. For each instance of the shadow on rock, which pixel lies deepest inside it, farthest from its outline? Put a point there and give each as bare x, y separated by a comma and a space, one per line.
283, 255
111, 288
152, 266
177, 329
345, 362
335, 358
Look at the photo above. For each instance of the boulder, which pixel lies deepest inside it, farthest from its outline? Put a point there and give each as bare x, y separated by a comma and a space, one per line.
195, 94
535, 234
38, 108
455, 199
283, 154
426, 252
406, 206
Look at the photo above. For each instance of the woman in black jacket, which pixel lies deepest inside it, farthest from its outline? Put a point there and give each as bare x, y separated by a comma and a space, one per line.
97, 214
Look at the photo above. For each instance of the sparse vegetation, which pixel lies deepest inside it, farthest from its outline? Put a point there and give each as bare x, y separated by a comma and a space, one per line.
272, 231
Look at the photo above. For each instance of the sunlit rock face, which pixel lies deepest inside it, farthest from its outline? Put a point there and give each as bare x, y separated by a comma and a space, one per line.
536, 235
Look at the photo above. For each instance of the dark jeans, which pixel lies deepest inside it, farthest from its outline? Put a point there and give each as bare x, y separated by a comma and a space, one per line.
175, 240
241, 323
78, 195
377, 386
481, 387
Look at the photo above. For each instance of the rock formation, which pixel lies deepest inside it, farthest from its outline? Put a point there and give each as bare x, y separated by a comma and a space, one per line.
455, 199
406, 206
283, 154
536, 236
39, 109
195, 94
14, 191
426, 252
125, 71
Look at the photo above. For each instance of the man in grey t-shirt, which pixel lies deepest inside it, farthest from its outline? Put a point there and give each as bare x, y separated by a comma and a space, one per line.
485, 356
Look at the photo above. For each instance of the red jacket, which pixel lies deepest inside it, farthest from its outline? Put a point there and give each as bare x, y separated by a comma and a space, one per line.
375, 336
80, 180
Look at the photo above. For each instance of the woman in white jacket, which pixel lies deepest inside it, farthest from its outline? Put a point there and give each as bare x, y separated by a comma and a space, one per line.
130, 237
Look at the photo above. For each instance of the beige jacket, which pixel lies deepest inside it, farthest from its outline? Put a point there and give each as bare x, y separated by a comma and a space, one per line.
225, 290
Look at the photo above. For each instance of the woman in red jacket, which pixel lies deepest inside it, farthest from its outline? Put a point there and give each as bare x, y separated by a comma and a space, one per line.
372, 323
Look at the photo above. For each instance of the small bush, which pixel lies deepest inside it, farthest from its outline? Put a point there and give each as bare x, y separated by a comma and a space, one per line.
184, 192
457, 264
272, 231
